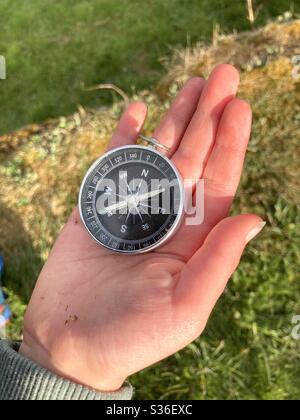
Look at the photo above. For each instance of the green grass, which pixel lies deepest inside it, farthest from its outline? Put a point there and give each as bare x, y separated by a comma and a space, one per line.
53, 47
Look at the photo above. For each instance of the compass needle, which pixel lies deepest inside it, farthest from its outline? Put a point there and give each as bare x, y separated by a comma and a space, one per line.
139, 213
128, 188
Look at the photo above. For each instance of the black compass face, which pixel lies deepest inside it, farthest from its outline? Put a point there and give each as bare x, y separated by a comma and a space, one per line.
131, 199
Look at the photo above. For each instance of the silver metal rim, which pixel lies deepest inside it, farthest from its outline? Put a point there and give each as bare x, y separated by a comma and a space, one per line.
154, 142
179, 217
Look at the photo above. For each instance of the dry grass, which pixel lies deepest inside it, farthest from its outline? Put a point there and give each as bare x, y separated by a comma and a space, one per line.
246, 51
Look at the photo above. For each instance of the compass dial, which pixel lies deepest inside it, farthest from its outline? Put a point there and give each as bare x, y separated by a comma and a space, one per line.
131, 199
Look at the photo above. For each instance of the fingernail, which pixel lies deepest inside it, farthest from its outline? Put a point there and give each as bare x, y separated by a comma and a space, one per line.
255, 231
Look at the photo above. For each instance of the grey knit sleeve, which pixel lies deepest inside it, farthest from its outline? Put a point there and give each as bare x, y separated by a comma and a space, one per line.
22, 379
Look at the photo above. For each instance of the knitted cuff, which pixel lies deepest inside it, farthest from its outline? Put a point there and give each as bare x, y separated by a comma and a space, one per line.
22, 379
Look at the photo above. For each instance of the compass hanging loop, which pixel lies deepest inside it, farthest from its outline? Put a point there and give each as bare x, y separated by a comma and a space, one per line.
153, 142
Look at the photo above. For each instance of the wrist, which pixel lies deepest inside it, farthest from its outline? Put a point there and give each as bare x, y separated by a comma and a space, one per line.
70, 370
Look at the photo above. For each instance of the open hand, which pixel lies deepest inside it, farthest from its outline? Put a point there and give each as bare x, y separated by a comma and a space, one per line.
97, 317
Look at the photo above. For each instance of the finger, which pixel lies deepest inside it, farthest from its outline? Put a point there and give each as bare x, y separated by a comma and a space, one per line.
205, 276
198, 140
221, 176
173, 125
129, 126
224, 167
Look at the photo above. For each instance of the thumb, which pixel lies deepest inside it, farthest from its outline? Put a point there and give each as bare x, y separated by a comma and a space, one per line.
206, 274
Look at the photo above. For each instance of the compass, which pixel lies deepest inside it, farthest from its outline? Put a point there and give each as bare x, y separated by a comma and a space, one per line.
131, 199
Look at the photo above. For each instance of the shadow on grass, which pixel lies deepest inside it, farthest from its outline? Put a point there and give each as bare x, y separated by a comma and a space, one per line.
22, 262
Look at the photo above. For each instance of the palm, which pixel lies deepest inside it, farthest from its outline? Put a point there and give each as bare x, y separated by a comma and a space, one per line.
118, 314
126, 300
